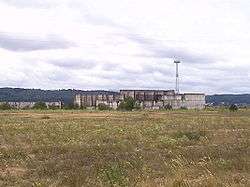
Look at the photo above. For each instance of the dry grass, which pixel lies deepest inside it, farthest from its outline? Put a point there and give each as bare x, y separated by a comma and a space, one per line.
74, 148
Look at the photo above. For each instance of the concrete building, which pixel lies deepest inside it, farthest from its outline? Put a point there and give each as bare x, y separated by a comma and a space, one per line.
27, 105
93, 100
146, 99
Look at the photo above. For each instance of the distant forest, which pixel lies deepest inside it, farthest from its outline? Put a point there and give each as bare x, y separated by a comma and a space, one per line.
36, 95
67, 96
229, 99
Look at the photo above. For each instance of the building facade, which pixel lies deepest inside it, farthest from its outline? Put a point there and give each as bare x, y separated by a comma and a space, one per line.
146, 99
29, 105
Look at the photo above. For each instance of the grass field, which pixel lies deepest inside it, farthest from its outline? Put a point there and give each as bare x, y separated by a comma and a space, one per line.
77, 148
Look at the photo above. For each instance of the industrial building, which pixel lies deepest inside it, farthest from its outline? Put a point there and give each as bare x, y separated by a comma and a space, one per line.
146, 99
28, 105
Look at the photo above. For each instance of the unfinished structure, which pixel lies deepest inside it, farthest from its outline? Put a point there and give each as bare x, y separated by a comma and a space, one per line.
28, 105
146, 99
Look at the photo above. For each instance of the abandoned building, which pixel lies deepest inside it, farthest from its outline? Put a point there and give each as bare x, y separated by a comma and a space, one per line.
27, 105
146, 99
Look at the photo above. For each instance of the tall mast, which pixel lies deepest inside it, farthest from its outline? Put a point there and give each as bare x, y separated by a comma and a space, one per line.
177, 88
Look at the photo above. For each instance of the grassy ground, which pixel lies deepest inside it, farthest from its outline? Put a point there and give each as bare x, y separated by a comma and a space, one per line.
75, 148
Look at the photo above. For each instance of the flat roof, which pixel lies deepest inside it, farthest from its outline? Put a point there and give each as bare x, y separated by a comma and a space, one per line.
150, 90
194, 93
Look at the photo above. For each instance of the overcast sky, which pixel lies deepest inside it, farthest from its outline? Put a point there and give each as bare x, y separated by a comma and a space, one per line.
118, 44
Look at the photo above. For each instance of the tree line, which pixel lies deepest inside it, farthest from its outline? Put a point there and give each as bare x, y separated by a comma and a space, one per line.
67, 96
38, 95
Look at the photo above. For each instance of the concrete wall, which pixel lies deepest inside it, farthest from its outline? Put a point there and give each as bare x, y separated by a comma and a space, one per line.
21, 105
147, 99
92, 100
78, 100
194, 101
26, 105
54, 104
111, 104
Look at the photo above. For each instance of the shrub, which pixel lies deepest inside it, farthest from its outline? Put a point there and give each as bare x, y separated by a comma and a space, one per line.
113, 175
5, 106
103, 106
190, 135
70, 106
168, 107
54, 107
128, 104
83, 107
184, 108
233, 108
137, 106
40, 106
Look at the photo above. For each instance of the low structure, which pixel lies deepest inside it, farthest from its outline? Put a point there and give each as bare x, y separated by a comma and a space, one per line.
27, 105
146, 99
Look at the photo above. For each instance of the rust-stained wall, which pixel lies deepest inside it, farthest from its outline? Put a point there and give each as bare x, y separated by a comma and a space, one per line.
147, 99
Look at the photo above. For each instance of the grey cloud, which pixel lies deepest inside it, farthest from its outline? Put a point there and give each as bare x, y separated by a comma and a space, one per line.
157, 68
102, 21
158, 50
77, 5
59, 76
31, 3
24, 43
74, 63
144, 69
140, 80
117, 75
110, 66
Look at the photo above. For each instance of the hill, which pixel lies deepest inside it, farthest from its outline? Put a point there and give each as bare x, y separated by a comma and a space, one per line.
227, 99
29, 95
20, 94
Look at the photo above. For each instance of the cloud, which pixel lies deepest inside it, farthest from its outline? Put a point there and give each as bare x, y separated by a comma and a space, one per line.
158, 50
23, 43
157, 69
102, 21
107, 66
111, 45
31, 3
73, 63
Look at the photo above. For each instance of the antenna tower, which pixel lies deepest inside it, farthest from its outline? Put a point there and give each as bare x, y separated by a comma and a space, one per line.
177, 88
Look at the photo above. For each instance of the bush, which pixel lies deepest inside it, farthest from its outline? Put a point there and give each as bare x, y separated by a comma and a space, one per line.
5, 106
137, 106
168, 107
70, 106
54, 107
103, 106
233, 108
128, 104
184, 108
40, 106
190, 135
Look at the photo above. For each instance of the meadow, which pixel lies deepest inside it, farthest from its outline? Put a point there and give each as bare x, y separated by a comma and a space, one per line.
144, 148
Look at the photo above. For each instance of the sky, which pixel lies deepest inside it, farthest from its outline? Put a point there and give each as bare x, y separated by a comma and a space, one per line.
125, 44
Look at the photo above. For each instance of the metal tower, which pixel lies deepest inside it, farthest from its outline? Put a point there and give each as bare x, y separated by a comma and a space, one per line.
177, 88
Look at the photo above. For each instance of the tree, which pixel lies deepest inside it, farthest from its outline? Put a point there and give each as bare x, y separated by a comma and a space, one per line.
71, 106
40, 106
128, 104
5, 106
168, 107
103, 106
233, 108
54, 107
